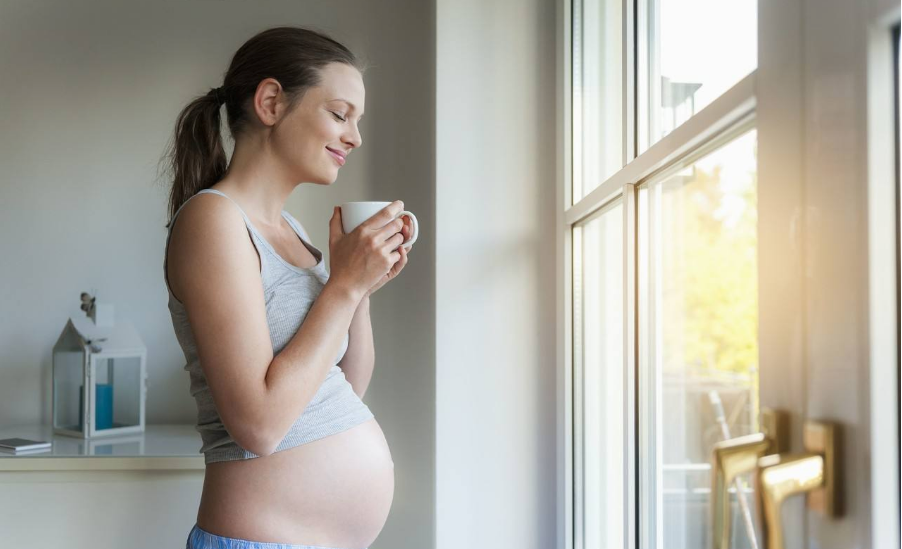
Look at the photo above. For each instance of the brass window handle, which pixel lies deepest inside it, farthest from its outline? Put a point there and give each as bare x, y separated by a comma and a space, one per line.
732, 458
777, 476
814, 473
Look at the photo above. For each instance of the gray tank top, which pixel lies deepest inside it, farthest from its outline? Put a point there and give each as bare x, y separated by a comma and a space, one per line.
288, 292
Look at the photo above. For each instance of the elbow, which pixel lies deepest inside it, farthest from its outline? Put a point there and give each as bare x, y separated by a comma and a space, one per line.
257, 428
251, 428
260, 446
256, 440
264, 451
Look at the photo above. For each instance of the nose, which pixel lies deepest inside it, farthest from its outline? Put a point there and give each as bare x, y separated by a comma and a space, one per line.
352, 137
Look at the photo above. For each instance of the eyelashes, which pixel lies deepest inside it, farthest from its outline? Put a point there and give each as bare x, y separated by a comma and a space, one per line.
339, 117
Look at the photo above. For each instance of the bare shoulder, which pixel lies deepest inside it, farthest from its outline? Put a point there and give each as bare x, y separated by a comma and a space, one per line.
209, 234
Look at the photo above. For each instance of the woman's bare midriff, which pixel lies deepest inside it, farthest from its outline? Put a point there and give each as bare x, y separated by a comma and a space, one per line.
332, 492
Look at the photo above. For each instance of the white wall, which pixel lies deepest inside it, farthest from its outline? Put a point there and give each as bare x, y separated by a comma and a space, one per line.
495, 274
89, 93
98, 509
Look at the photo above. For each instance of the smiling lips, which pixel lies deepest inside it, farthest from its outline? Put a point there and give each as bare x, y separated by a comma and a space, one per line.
339, 157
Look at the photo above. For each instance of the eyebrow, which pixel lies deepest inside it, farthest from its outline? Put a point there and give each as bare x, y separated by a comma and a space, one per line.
353, 107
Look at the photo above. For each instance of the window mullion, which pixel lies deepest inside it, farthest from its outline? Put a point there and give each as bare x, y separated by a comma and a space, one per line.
630, 360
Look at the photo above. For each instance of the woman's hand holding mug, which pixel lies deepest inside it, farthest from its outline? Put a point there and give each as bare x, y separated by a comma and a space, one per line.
369, 243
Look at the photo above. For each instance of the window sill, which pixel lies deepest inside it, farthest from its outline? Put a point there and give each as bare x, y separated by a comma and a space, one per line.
160, 447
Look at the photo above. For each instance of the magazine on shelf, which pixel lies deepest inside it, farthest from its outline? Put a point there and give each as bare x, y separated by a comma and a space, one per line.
23, 445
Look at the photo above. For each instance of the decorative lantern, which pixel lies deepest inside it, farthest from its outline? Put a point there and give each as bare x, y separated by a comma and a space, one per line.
109, 359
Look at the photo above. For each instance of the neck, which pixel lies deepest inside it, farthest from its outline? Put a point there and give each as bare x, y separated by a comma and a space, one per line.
258, 183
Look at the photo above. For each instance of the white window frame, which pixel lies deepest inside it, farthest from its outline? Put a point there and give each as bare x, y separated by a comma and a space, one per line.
735, 108
782, 126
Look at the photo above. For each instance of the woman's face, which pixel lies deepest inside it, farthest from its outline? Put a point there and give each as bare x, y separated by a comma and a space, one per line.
317, 136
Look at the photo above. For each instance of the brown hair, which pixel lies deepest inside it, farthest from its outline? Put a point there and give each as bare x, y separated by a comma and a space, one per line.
291, 55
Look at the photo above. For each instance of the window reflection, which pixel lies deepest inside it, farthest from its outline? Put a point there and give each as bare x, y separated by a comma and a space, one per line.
598, 334
698, 50
702, 287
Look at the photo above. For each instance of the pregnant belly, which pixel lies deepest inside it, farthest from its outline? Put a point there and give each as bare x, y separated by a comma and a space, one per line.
332, 492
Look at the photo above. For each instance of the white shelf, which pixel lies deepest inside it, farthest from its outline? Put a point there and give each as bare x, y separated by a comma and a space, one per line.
160, 447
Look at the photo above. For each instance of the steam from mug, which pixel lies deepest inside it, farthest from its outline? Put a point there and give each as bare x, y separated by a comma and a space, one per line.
355, 213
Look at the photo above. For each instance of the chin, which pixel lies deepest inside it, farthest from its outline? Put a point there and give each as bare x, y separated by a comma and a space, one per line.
322, 178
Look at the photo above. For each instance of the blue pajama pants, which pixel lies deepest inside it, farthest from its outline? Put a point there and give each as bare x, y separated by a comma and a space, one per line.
201, 539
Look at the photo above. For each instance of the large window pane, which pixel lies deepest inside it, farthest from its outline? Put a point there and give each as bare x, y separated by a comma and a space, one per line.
697, 50
598, 357
699, 360
597, 93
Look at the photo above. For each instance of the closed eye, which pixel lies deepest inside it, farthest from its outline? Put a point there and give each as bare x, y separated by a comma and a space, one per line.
338, 117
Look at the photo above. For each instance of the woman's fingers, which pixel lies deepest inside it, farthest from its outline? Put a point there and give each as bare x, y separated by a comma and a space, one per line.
384, 216
402, 225
390, 229
399, 265
394, 242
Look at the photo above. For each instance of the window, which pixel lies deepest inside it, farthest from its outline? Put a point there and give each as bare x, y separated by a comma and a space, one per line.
598, 360
662, 221
598, 92
698, 315
696, 50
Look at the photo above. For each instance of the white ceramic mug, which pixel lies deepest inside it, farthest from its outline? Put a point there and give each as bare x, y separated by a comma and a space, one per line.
355, 213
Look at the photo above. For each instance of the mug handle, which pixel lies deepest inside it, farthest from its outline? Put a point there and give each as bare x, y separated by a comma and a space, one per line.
416, 228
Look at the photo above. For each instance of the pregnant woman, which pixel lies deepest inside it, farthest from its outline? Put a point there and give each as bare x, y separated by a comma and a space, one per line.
279, 349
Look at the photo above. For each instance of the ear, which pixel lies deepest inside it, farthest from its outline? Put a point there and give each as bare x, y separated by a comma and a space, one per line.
269, 101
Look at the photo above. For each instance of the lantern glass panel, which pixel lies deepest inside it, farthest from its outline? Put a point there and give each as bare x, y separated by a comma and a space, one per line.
117, 392
68, 373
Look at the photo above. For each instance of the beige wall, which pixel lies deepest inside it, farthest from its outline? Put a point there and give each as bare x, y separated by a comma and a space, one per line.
495, 274
89, 93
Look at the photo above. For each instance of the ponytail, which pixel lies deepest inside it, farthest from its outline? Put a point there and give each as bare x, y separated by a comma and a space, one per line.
197, 155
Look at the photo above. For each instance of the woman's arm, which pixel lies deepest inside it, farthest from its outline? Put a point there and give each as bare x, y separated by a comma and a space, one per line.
297, 372
258, 396
357, 363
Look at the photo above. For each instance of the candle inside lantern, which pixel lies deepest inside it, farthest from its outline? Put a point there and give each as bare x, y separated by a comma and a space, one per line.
103, 416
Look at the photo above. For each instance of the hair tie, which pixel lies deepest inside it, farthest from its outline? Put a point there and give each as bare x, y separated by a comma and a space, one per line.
218, 94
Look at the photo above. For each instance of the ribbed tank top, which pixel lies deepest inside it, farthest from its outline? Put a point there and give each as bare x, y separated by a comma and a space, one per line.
289, 292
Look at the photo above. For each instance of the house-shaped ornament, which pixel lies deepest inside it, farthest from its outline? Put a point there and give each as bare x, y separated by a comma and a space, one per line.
109, 358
